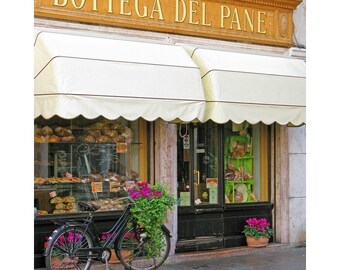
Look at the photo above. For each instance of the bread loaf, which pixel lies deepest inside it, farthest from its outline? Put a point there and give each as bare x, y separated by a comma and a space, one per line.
56, 200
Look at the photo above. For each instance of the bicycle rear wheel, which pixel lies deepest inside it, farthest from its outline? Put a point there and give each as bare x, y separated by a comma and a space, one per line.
63, 249
131, 250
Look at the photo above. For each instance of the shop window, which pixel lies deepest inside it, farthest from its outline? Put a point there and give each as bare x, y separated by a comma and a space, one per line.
245, 163
93, 161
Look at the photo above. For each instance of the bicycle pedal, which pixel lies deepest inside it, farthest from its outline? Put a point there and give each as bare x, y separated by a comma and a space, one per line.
105, 255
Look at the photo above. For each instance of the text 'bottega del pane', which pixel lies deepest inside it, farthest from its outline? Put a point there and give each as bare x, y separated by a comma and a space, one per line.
220, 19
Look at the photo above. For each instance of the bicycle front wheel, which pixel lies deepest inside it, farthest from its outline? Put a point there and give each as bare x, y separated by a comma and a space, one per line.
131, 250
63, 249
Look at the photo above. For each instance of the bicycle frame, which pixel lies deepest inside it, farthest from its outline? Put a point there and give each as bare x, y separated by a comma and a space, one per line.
114, 232
89, 226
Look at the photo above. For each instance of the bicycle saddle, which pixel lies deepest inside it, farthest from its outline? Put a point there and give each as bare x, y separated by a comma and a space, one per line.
87, 206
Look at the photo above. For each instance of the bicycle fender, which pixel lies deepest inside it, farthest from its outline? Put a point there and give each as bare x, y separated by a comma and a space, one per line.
166, 230
48, 247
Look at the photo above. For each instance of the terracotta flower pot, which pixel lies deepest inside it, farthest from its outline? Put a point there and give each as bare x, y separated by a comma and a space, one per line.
253, 242
65, 263
114, 259
55, 262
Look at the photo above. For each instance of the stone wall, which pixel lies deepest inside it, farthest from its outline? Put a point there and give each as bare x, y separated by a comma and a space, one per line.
297, 152
166, 168
299, 17
297, 184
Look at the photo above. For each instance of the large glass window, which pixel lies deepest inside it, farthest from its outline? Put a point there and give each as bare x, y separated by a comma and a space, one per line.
241, 172
245, 163
85, 160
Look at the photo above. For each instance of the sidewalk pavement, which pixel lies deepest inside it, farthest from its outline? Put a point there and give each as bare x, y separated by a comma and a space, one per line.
272, 257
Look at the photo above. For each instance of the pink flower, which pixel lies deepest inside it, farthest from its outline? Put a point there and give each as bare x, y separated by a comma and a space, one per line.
146, 192
260, 228
135, 195
252, 222
104, 236
157, 193
259, 224
74, 237
142, 184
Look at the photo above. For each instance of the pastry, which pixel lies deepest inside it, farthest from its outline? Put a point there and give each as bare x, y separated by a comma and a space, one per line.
46, 131
94, 133
133, 175
239, 150
69, 199
59, 206
62, 132
39, 139
42, 212
229, 174
52, 180
238, 196
71, 205
38, 132
75, 179
53, 139
95, 178
111, 133
39, 180
73, 210
56, 200
89, 139
58, 211
238, 175
69, 138
103, 139
63, 179
119, 138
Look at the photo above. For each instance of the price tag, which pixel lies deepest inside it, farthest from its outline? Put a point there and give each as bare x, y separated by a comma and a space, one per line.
96, 187
186, 142
53, 194
121, 147
114, 186
211, 182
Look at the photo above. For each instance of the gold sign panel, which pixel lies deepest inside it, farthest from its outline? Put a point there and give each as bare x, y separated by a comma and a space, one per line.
246, 20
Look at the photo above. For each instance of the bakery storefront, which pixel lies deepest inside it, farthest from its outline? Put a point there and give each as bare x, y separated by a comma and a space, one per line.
114, 105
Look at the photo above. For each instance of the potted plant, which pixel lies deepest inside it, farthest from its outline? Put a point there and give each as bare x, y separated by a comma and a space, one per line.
150, 210
257, 232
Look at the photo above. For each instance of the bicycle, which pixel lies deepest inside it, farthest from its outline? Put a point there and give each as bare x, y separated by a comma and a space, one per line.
77, 245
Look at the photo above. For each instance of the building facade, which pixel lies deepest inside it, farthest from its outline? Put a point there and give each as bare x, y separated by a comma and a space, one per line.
205, 96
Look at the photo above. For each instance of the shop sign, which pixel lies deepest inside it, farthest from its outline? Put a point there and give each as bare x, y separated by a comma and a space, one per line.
254, 21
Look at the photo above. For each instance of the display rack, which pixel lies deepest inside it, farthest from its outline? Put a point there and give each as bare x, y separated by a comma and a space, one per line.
239, 179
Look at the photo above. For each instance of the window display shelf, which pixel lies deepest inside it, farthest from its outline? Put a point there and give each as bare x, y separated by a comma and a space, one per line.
238, 191
238, 175
64, 197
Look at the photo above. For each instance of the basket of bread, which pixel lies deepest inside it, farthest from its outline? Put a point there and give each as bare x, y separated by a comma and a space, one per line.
63, 205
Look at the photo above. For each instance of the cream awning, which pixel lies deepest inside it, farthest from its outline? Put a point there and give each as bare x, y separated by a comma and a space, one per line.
95, 76
253, 88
